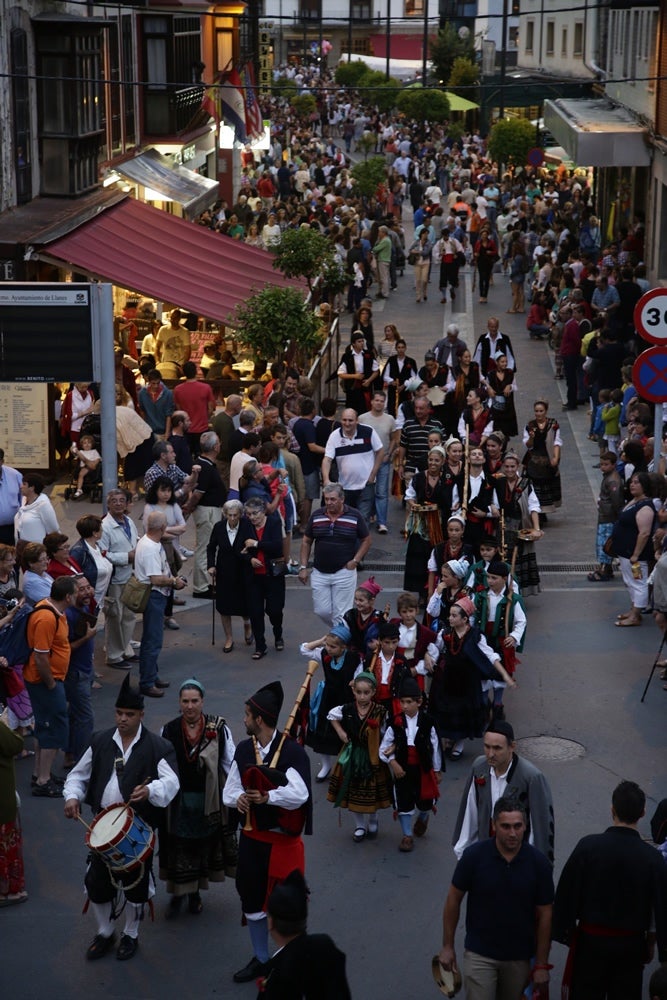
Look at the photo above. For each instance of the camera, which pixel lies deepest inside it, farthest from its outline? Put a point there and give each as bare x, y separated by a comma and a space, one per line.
12, 603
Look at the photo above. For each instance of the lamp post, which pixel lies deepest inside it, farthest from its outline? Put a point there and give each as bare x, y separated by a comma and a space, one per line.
388, 39
425, 43
503, 61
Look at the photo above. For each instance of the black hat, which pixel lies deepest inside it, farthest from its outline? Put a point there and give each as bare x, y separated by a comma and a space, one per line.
357, 335
502, 728
498, 568
268, 701
409, 688
489, 540
389, 630
129, 696
289, 899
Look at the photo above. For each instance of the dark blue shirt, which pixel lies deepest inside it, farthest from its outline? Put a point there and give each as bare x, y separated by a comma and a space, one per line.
81, 658
502, 896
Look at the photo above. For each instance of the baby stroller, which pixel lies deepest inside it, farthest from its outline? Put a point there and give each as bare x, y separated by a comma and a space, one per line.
92, 484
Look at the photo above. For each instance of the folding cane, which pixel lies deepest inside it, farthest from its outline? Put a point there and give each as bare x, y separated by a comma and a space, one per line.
650, 676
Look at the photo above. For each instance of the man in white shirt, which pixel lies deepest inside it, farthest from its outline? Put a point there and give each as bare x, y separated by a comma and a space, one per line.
358, 451
385, 425
151, 566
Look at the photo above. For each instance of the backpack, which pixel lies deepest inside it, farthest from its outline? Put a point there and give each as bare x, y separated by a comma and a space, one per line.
14, 645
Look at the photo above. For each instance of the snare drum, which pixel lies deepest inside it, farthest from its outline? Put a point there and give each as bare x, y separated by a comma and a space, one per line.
121, 838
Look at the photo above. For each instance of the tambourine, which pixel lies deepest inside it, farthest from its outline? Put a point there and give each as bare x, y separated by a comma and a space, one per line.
448, 981
424, 507
436, 395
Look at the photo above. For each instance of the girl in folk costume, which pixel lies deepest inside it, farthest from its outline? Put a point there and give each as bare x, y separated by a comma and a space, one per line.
363, 620
411, 748
398, 369
453, 472
388, 668
453, 548
476, 418
478, 580
447, 250
481, 509
520, 512
450, 590
466, 659
501, 617
338, 666
360, 782
416, 643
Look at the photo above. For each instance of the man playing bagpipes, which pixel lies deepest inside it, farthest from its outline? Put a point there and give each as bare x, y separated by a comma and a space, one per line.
501, 618
269, 784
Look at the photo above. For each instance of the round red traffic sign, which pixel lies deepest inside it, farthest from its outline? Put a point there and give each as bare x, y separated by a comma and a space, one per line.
649, 374
650, 316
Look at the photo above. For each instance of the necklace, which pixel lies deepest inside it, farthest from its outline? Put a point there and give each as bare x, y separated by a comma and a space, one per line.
456, 642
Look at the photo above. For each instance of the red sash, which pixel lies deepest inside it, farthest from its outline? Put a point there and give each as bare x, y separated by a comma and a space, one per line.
287, 854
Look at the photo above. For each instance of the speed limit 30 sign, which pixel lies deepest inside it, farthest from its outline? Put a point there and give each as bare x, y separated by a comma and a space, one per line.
650, 316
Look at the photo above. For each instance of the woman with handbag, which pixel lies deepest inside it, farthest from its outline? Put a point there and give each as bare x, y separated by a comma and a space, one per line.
265, 574
419, 255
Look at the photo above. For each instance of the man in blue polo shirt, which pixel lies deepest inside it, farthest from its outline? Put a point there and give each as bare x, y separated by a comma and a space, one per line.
508, 918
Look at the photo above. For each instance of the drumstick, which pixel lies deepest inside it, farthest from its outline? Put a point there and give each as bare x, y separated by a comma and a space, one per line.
82, 820
143, 784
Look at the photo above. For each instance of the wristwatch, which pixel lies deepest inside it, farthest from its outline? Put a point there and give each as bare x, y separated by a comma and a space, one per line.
302, 567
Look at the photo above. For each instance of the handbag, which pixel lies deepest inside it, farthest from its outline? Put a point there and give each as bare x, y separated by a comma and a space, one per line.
608, 547
277, 567
460, 259
413, 257
135, 595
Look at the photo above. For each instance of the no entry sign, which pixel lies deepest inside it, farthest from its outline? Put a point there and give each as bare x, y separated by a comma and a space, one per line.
649, 374
650, 316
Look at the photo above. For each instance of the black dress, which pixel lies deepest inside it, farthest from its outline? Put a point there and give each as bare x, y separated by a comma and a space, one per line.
502, 407
334, 689
420, 542
456, 700
231, 567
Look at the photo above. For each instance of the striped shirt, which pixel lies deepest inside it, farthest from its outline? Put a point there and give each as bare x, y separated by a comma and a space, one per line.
336, 542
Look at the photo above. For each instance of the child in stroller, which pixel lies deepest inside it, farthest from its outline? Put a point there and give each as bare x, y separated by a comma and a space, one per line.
90, 467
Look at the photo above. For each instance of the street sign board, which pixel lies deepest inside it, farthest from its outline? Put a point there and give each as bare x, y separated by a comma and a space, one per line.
650, 316
649, 374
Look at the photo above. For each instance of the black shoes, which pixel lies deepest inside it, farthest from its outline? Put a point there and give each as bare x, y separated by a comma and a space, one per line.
253, 970
127, 947
205, 595
99, 946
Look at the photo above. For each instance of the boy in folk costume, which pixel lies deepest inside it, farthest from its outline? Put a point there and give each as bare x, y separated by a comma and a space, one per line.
388, 668
416, 643
412, 749
501, 618
488, 552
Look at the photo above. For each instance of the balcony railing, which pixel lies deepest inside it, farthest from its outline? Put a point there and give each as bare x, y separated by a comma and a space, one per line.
169, 111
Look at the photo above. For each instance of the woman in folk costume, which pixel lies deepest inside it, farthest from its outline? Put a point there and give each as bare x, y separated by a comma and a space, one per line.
411, 748
200, 844
339, 665
398, 369
363, 620
519, 523
361, 782
501, 617
456, 698
425, 526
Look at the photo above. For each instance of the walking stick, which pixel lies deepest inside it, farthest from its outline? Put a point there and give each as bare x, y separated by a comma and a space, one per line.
650, 676
213, 616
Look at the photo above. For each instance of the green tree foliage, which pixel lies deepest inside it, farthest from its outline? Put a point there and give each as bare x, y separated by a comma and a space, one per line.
369, 175
510, 140
304, 105
282, 87
302, 253
348, 74
424, 105
446, 48
275, 317
375, 88
464, 78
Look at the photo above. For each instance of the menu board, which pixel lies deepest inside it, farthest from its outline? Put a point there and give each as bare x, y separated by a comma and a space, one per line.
24, 424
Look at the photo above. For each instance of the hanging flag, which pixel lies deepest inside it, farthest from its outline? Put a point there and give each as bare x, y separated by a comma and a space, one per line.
233, 105
253, 112
210, 103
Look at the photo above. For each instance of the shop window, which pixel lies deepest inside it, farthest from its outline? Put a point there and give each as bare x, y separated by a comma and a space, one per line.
563, 43
578, 39
413, 8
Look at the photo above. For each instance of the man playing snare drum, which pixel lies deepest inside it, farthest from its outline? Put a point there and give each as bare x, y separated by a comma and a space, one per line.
128, 765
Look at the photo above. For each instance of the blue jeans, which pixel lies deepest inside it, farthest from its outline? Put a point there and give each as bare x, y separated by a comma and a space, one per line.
362, 500
151, 639
382, 492
81, 719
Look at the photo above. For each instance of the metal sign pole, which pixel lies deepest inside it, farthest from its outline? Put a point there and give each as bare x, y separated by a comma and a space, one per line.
101, 301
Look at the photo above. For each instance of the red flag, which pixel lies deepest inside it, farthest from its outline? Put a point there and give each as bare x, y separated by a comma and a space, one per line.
210, 103
253, 112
